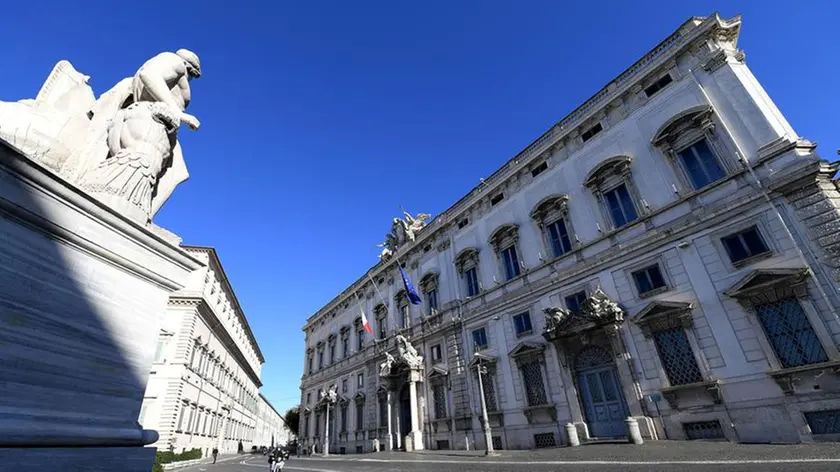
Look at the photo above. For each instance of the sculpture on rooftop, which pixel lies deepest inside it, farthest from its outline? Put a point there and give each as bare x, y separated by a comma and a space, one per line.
402, 231
408, 353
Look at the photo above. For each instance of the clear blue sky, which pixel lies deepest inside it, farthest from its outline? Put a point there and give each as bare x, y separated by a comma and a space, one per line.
320, 118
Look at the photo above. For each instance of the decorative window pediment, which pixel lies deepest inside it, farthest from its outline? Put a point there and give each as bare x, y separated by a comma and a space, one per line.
614, 166
343, 401
320, 345
664, 315
550, 208
438, 373
400, 298
767, 285
380, 310
504, 236
344, 332
331, 338
429, 282
483, 359
695, 117
357, 322
359, 398
382, 391
526, 351
466, 259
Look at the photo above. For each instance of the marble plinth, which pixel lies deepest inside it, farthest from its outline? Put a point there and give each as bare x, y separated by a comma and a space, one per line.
82, 292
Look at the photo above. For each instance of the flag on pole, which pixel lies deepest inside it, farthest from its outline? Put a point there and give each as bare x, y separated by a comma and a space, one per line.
409, 289
365, 322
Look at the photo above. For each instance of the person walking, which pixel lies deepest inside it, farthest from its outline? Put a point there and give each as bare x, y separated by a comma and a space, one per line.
215, 454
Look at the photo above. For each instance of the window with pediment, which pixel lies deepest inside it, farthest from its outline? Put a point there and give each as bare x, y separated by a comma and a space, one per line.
438, 380
429, 287
360, 333
612, 183
668, 325
359, 399
403, 310
331, 342
552, 217
344, 334
530, 360
381, 314
320, 348
696, 148
505, 244
466, 263
487, 366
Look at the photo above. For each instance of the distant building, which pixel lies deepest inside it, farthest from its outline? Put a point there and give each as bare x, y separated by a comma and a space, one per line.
271, 429
203, 391
668, 252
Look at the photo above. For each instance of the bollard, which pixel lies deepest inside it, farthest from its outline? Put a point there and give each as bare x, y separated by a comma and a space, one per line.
634, 436
572, 433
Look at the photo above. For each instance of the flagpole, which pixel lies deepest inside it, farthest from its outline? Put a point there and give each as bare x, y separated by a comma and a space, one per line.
384, 302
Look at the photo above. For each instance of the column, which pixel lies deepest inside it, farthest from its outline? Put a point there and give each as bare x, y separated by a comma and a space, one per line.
327, 430
388, 408
415, 434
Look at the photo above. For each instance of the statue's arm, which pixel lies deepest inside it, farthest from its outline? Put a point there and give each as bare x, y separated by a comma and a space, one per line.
154, 78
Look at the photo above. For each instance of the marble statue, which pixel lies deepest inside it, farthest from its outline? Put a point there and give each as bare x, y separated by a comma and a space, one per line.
556, 317
408, 353
330, 396
402, 231
122, 148
385, 367
413, 225
599, 307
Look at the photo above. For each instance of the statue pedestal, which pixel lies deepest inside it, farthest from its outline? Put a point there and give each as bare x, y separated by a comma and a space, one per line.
82, 292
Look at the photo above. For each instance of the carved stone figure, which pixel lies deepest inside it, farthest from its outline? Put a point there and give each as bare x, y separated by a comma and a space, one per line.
413, 225
600, 308
84, 140
407, 352
385, 367
556, 317
402, 231
330, 396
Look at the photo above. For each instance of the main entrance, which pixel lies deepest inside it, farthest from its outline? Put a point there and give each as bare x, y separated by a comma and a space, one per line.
405, 413
600, 393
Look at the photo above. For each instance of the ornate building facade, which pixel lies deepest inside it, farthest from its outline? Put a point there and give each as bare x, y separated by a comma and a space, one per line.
271, 429
203, 390
668, 252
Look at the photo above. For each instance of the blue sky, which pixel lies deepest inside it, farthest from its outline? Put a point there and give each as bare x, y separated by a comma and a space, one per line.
320, 118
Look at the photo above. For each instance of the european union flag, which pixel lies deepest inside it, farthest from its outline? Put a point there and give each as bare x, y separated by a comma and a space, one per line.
409, 289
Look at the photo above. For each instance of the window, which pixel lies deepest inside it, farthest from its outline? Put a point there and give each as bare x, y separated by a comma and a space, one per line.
620, 205
383, 327
463, 223
479, 337
439, 394
660, 84
574, 302
360, 416
790, 333
496, 199
383, 413
437, 354
510, 262
471, 280
308, 398
700, 164
539, 169
317, 424
320, 357
744, 245
432, 300
184, 407
162, 342
522, 324
648, 279
591, 132
534, 386
344, 386
676, 355
360, 380
343, 418
406, 317
559, 238
332, 351
360, 338
488, 380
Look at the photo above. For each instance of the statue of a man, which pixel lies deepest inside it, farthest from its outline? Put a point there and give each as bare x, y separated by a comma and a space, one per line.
144, 163
385, 367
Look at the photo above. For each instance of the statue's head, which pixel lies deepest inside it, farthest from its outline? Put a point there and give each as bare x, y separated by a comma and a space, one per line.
193, 64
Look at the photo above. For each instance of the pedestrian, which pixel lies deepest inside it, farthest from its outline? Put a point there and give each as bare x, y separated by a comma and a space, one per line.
215, 454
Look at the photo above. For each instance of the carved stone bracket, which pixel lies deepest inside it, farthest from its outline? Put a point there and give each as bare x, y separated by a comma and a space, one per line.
663, 316
712, 387
597, 310
788, 378
532, 412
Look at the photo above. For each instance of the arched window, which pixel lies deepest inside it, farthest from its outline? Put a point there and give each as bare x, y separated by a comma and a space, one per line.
700, 155
429, 286
466, 263
552, 216
611, 181
504, 241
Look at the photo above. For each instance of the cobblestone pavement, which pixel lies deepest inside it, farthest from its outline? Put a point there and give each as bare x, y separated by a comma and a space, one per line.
661, 456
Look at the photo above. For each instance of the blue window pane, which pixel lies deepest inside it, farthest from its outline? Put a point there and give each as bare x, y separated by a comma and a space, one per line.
559, 236
479, 338
790, 333
575, 301
677, 358
701, 165
621, 206
522, 323
511, 262
472, 282
744, 245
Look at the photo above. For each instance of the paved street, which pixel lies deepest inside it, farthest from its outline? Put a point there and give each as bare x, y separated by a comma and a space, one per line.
662, 456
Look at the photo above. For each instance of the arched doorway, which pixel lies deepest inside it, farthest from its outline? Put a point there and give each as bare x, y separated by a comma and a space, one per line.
405, 413
600, 393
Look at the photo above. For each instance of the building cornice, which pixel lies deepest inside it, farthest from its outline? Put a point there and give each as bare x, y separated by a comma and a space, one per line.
214, 258
663, 53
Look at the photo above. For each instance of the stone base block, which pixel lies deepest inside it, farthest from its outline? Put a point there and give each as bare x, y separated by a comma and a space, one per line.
88, 459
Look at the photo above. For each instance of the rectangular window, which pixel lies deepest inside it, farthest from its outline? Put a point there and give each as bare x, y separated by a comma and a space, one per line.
558, 237
383, 413
677, 357
405, 316
591, 132
700, 164
439, 394
360, 380
344, 419
383, 328
345, 346
305, 425
510, 260
744, 245
181, 415
620, 205
360, 417
658, 85
332, 352
539, 169
463, 223
479, 338
317, 424
437, 355
574, 302
432, 300
320, 359
189, 428
790, 333
308, 398
534, 386
497, 199
163, 341
344, 386
488, 381
360, 339
648, 279
522, 324
471, 278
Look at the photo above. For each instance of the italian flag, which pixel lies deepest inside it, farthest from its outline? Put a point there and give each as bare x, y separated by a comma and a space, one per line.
365, 322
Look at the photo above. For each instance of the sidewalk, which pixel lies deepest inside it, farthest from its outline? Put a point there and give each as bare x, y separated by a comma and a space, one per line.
653, 451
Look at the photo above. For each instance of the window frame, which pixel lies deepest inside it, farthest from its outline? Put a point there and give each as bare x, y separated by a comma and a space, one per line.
486, 338
550, 211
439, 357
468, 259
663, 271
503, 239
759, 227
527, 315
606, 177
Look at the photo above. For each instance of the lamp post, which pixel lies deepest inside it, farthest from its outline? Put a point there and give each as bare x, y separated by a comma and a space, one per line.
329, 398
485, 422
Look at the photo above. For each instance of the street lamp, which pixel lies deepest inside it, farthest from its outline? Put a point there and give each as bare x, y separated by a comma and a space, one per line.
329, 398
485, 422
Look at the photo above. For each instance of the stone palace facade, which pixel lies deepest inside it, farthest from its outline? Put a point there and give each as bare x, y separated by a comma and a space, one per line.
668, 252
203, 389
